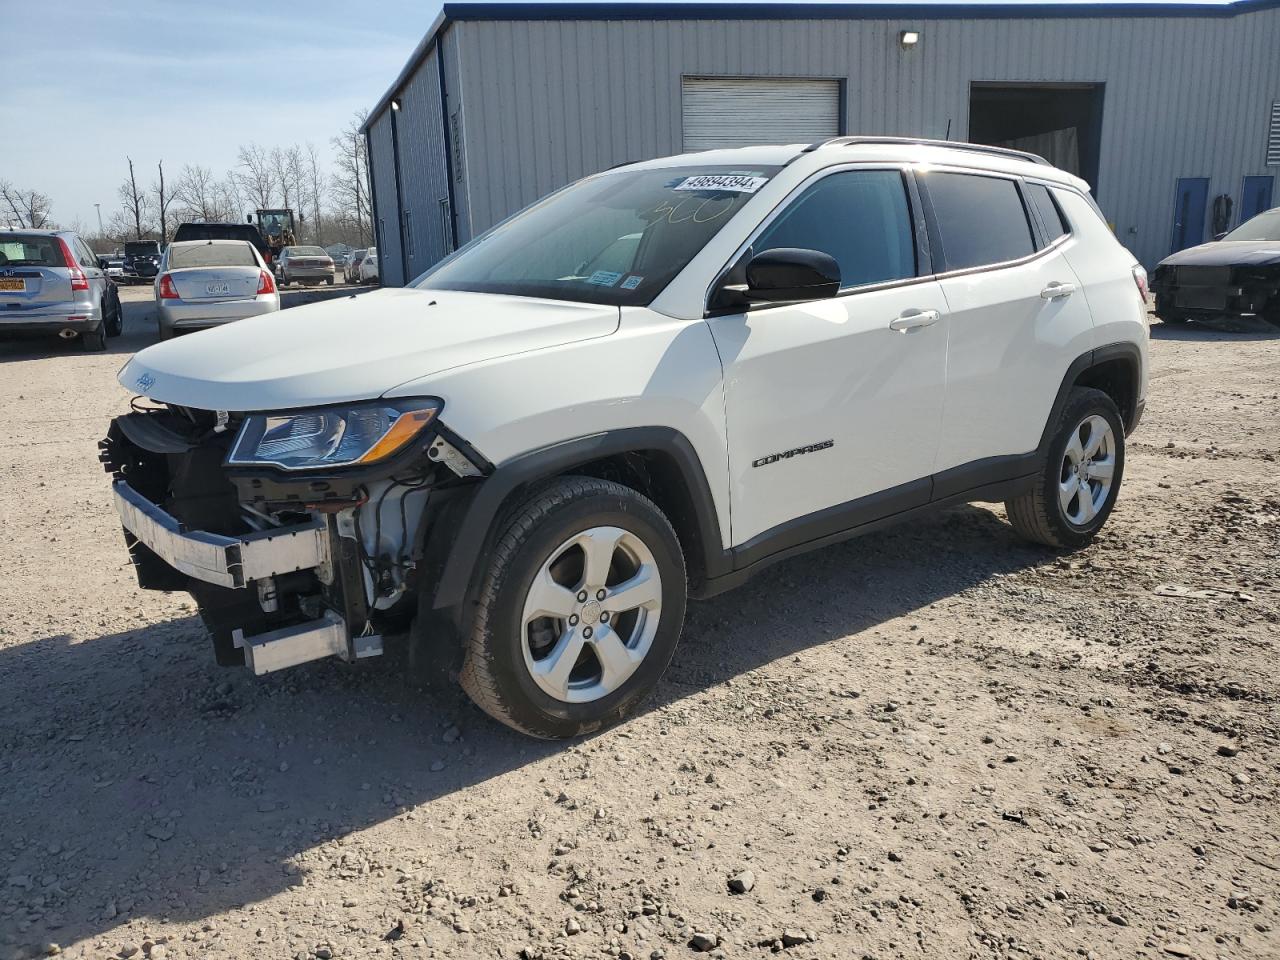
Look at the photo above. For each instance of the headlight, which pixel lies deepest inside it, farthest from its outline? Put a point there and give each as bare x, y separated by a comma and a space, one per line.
332, 436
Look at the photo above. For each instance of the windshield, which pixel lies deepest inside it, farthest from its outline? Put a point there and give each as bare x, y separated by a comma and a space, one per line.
212, 255
1265, 226
618, 239
146, 248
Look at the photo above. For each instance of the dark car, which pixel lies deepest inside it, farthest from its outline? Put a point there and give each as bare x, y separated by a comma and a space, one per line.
224, 231
1237, 275
141, 260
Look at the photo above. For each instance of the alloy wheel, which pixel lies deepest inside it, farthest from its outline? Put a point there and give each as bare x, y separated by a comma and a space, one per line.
591, 614
1088, 468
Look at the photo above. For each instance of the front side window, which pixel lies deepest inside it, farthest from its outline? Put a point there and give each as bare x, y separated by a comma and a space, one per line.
981, 220
861, 218
619, 238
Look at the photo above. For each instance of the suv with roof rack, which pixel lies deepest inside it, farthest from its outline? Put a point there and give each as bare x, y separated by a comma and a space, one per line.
647, 386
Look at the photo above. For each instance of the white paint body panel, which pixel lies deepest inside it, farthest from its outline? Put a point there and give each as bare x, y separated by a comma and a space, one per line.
830, 370
1009, 351
345, 349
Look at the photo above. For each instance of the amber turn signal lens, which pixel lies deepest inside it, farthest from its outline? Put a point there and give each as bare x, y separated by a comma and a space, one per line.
407, 426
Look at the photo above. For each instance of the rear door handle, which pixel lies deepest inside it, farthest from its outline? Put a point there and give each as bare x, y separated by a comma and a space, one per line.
1056, 291
910, 319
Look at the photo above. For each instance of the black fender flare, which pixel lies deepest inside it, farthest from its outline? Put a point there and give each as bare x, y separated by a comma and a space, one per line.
475, 527
1124, 350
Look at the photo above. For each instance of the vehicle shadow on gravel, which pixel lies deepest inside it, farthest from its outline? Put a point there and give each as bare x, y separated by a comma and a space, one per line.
1213, 332
184, 790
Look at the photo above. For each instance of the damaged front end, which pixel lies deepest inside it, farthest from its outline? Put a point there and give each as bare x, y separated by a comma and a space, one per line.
1205, 291
300, 535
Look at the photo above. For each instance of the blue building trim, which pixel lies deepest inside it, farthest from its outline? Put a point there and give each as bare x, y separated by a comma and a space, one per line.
843, 11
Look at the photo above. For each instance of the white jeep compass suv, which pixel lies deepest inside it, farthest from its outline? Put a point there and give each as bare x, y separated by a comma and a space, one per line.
649, 385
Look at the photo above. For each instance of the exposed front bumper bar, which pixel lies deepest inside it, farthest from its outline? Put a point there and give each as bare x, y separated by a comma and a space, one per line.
225, 561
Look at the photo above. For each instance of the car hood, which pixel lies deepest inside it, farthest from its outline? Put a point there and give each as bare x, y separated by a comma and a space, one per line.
1223, 253
353, 348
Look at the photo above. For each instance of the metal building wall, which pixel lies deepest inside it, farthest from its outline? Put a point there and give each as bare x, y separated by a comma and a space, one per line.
423, 172
386, 198
545, 102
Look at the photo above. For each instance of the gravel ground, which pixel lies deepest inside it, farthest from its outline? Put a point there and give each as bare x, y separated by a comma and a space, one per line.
931, 742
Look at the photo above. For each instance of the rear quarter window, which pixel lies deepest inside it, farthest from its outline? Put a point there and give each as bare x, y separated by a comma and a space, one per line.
1051, 219
980, 219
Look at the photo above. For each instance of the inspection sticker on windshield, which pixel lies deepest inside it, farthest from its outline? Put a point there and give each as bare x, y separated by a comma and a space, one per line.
725, 182
604, 278
632, 282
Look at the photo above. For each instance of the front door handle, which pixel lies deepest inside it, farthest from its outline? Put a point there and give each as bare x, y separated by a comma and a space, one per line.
910, 319
1056, 291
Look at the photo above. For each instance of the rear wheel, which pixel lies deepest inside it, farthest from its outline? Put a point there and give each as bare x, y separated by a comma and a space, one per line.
114, 316
95, 339
1080, 478
580, 611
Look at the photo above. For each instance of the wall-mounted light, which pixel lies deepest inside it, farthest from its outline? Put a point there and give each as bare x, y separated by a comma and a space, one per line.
908, 38
395, 104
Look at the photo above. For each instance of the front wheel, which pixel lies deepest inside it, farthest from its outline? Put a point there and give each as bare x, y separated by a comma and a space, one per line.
580, 611
1080, 477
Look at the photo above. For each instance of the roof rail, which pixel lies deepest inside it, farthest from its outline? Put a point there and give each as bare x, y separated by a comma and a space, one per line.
912, 141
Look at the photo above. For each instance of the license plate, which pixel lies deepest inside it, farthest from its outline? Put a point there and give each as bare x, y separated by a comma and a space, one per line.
13, 285
213, 289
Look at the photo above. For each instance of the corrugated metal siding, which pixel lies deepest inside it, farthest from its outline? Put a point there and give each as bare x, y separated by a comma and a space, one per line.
737, 112
547, 102
386, 197
424, 183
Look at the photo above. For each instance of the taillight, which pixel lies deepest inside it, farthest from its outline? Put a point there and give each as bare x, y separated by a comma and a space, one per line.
265, 283
1140, 278
167, 290
78, 280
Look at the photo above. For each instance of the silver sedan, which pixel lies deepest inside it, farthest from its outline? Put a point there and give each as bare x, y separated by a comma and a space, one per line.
204, 283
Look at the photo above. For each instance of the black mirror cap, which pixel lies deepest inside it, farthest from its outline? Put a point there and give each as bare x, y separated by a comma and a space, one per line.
792, 273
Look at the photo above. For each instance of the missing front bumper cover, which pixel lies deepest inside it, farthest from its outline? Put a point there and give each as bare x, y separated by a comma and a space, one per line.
224, 561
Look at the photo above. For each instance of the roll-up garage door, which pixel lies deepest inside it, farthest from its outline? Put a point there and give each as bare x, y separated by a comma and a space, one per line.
738, 112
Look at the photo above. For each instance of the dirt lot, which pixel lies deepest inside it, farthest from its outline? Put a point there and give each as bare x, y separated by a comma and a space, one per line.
932, 742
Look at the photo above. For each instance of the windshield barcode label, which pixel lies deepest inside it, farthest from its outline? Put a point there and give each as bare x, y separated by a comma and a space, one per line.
727, 183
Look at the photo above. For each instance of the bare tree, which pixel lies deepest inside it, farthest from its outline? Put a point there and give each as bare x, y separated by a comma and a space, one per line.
256, 176
197, 194
315, 192
25, 209
134, 202
286, 164
231, 200
162, 201
350, 180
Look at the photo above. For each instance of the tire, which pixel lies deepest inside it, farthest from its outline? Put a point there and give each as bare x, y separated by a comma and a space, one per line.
329, 281
95, 340
114, 321
509, 652
1040, 515
164, 332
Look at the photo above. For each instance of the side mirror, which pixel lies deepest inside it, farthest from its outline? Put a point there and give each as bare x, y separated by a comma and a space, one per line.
790, 274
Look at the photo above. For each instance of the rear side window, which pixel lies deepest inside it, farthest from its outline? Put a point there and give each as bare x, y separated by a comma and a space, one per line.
1047, 210
32, 251
861, 218
980, 219
212, 255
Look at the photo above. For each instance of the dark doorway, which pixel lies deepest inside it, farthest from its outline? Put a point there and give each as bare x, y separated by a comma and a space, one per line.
1060, 121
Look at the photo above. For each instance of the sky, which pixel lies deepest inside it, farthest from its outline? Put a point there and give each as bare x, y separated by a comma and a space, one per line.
90, 82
